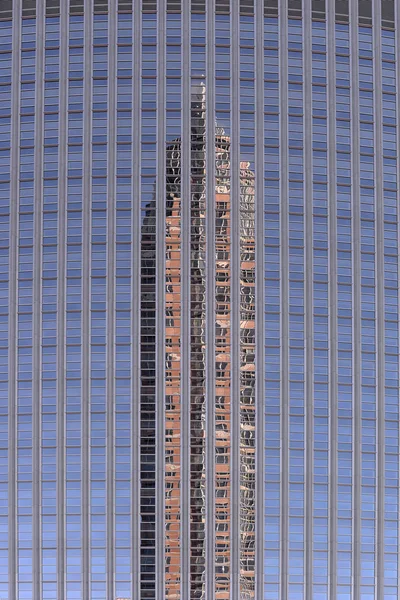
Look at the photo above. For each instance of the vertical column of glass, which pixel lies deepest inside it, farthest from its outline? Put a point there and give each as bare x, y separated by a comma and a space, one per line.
355, 240
49, 307
198, 217
37, 315
25, 308
61, 301
391, 286
296, 300
197, 304
379, 281
233, 296
222, 307
148, 306
320, 210
173, 324
98, 306
160, 298
272, 285
332, 300
87, 131
259, 299
207, 340
368, 315
39, 495
136, 301
113, 353
392, 405
309, 425
345, 414
73, 317
11, 195
5, 276
247, 308
185, 264
123, 304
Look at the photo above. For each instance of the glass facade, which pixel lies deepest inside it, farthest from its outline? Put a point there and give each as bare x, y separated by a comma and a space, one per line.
199, 299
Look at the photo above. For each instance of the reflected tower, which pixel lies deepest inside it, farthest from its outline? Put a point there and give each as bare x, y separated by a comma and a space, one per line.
222, 364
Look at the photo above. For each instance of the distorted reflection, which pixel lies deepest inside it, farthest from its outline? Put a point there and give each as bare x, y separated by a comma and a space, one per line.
173, 392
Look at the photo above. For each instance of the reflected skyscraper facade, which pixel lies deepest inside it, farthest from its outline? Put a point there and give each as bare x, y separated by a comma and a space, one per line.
197, 393
199, 299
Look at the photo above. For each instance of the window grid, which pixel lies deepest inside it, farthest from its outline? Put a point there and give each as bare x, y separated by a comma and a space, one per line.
311, 221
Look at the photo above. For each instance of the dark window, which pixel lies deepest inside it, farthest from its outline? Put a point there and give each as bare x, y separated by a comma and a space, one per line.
247, 7
318, 9
149, 6
222, 7
365, 12
387, 7
76, 7
270, 8
125, 5
5, 9
174, 6
294, 9
29, 8
342, 11
52, 7
100, 6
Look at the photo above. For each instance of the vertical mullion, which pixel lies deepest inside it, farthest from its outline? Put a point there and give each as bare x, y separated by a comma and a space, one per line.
333, 307
111, 282
136, 295
185, 305
160, 302
12, 309
284, 274
86, 228
397, 54
235, 303
210, 302
259, 297
37, 317
356, 249
308, 326
380, 302
61, 303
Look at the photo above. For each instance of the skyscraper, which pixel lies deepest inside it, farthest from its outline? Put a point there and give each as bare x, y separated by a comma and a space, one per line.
199, 299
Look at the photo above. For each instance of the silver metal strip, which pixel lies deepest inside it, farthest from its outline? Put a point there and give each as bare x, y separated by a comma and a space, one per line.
185, 305
284, 274
355, 187
12, 308
235, 303
210, 302
61, 302
308, 296
111, 283
332, 301
37, 317
260, 297
136, 295
397, 54
86, 228
380, 302
160, 303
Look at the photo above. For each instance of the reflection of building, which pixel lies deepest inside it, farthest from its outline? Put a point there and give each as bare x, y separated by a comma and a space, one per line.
173, 396
147, 404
